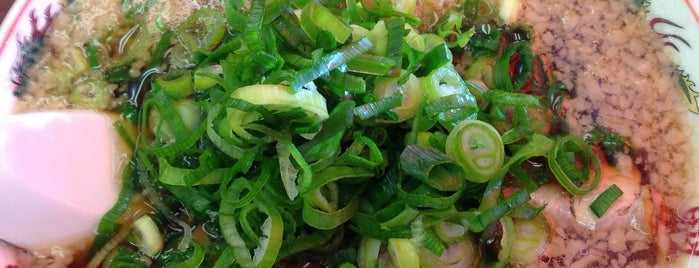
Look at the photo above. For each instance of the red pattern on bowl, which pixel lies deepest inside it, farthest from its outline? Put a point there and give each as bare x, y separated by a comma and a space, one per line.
17, 32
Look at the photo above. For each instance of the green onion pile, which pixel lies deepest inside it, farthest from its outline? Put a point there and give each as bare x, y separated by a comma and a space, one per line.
338, 133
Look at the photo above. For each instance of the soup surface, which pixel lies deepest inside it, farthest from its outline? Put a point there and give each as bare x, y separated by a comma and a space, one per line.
616, 83
607, 53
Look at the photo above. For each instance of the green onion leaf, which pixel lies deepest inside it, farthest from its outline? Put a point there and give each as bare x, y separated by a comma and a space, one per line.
343, 83
605, 200
328, 220
368, 255
374, 109
327, 141
107, 226
425, 197
305, 242
92, 56
195, 259
252, 29
432, 167
330, 62
372, 64
504, 78
435, 58
479, 221
161, 48
316, 18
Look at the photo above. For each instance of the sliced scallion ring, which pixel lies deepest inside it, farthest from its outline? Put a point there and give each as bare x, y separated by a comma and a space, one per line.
148, 235
204, 29
477, 147
403, 253
443, 81
575, 165
411, 94
266, 253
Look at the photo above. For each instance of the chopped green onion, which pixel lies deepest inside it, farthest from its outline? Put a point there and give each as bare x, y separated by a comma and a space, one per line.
226, 258
450, 232
371, 64
316, 18
343, 83
478, 148
507, 80
450, 110
328, 220
501, 97
192, 197
409, 162
233, 194
421, 237
368, 255
276, 97
180, 86
92, 56
437, 57
432, 167
427, 198
107, 226
196, 258
374, 109
477, 222
411, 91
506, 242
161, 48
367, 226
327, 141
396, 214
289, 27
360, 147
92, 94
252, 29
234, 18
575, 165
395, 29
207, 77
203, 30
405, 6
441, 82
330, 62
271, 239
403, 253
287, 171
605, 200
531, 237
